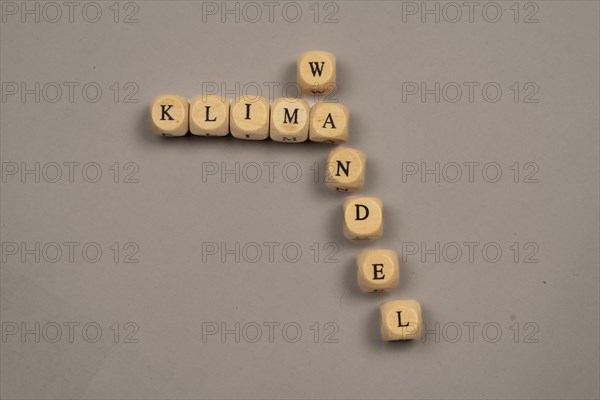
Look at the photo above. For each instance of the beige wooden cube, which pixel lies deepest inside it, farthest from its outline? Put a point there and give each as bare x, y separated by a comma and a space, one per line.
316, 72
377, 270
401, 320
345, 169
363, 218
329, 123
249, 118
289, 120
209, 116
169, 115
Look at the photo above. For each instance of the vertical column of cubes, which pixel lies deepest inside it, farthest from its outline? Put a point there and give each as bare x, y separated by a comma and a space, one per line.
377, 270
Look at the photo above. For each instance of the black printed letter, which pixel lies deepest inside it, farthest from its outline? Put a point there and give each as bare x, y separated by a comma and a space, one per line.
378, 272
400, 320
207, 117
165, 111
329, 120
358, 218
315, 68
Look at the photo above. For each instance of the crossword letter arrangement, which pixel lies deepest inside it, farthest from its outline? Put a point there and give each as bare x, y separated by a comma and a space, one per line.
292, 120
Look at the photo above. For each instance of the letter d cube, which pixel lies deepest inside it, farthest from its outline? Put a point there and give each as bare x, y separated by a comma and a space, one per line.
363, 218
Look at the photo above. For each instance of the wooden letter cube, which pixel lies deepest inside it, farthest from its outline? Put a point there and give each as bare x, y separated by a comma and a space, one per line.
289, 120
169, 115
209, 116
316, 72
249, 118
401, 320
363, 218
345, 169
377, 270
329, 123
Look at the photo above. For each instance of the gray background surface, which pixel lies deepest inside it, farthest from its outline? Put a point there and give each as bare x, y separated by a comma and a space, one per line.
174, 211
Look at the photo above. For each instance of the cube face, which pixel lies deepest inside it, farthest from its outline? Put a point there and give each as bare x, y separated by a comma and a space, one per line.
209, 116
363, 218
289, 120
316, 72
249, 118
169, 115
401, 320
329, 123
345, 170
377, 270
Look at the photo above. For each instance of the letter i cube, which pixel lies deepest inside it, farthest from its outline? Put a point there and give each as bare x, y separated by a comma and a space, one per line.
249, 118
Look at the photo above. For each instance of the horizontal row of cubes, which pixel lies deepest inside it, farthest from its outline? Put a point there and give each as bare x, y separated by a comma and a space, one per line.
289, 120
